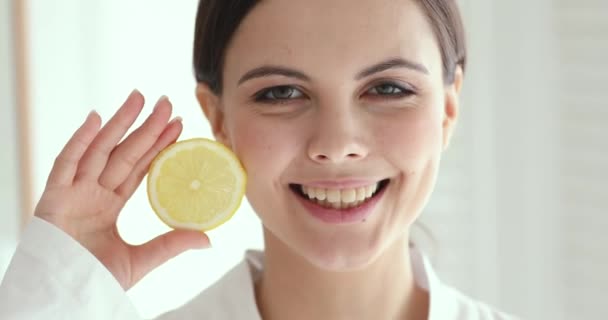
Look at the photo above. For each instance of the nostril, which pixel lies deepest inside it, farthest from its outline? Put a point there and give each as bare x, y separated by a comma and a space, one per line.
325, 158
322, 157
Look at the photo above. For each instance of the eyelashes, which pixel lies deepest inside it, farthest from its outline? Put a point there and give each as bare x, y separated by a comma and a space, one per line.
389, 89
383, 91
278, 93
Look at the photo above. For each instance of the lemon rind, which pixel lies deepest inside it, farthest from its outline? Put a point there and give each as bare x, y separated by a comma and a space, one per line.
220, 218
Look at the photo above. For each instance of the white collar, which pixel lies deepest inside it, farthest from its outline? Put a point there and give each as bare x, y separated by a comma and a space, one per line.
424, 275
233, 296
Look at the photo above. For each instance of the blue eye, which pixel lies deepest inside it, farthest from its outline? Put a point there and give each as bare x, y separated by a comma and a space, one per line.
278, 93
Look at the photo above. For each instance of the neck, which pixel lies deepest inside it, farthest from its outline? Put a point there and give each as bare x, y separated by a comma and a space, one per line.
292, 288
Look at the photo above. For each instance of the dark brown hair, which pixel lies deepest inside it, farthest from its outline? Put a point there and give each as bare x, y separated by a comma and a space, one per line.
217, 20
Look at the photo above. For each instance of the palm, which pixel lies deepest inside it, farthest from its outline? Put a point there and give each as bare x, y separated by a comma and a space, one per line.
92, 179
82, 201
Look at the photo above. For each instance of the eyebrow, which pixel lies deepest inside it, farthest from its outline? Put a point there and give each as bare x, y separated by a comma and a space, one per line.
270, 70
266, 71
392, 64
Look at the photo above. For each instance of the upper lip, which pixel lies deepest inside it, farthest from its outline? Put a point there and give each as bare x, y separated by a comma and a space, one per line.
340, 183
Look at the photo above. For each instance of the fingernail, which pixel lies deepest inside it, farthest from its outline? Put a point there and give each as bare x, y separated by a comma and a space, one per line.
132, 94
203, 246
93, 112
176, 119
163, 97
206, 242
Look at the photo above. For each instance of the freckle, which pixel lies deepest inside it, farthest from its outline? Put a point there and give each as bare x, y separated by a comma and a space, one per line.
289, 51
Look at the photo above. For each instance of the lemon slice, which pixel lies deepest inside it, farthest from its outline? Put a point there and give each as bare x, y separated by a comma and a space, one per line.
196, 184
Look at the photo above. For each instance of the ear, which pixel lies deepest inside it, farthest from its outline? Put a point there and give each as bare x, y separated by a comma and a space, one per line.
452, 104
210, 103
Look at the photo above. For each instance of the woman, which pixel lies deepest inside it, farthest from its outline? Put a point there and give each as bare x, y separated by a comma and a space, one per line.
318, 99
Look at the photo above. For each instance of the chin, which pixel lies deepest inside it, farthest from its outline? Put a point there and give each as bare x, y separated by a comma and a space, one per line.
339, 249
341, 255
329, 247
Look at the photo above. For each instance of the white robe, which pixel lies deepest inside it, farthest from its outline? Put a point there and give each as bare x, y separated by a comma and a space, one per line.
51, 276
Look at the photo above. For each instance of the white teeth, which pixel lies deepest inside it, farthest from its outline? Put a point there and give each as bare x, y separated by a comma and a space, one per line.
369, 190
348, 195
333, 195
310, 193
340, 198
320, 194
360, 194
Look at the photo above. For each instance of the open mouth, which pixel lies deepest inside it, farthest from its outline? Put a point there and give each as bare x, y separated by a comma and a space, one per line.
335, 198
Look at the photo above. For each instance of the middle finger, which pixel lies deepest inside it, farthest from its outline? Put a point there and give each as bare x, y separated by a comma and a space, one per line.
95, 158
127, 154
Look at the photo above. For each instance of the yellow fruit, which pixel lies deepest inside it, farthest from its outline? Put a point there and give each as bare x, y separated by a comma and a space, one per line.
196, 184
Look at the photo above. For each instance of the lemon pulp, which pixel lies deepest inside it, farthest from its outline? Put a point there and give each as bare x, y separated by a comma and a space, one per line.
196, 184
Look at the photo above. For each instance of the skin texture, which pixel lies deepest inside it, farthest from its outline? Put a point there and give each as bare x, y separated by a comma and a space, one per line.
338, 123
94, 176
335, 125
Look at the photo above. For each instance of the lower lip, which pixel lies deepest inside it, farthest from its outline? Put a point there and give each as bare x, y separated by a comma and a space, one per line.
342, 216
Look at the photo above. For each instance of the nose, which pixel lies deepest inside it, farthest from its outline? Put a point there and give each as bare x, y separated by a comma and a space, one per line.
338, 137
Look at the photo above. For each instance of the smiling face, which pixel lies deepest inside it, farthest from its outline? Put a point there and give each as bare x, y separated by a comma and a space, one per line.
341, 103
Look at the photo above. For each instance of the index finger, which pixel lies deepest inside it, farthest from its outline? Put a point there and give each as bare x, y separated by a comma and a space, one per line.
96, 156
66, 163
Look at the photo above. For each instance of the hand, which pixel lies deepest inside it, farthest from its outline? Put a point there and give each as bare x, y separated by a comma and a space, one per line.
94, 176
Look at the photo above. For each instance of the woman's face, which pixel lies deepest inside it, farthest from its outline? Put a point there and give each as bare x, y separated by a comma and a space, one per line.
337, 101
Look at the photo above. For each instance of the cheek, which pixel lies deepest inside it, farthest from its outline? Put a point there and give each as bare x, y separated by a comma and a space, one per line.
264, 147
253, 144
410, 136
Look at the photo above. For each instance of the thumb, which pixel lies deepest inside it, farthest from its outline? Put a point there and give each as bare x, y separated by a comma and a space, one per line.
150, 255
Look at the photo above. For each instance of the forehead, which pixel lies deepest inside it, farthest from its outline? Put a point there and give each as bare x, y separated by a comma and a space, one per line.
343, 34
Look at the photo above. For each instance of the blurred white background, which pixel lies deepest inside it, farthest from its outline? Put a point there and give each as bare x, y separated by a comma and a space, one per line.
519, 216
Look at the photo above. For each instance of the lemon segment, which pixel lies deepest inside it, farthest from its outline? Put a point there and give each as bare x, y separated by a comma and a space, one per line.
196, 184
